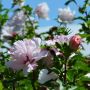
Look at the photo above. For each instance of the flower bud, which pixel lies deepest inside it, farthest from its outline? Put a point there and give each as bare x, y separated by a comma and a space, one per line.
75, 41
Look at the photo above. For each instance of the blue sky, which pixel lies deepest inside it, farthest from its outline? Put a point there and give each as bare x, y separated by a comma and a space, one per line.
53, 5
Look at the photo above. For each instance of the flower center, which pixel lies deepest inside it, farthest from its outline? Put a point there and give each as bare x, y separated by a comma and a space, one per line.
29, 60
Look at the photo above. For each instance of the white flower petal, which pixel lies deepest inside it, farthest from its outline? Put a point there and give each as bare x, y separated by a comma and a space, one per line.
45, 77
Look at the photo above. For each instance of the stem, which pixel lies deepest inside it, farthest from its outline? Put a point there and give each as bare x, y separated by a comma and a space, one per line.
33, 81
14, 81
30, 21
33, 86
14, 85
65, 72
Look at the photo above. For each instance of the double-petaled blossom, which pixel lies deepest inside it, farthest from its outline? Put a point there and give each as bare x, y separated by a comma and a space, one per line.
59, 39
45, 76
17, 21
65, 15
42, 10
25, 54
75, 41
15, 24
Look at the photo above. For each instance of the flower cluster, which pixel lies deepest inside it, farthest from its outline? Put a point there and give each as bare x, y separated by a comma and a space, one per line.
51, 59
26, 53
65, 15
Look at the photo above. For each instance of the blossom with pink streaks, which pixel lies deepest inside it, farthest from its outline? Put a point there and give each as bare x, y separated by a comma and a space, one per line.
25, 54
61, 39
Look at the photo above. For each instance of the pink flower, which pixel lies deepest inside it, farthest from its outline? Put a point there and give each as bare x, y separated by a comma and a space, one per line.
61, 39
50, 42
42, 10
75, 41
14, 24
65, 15
25, 54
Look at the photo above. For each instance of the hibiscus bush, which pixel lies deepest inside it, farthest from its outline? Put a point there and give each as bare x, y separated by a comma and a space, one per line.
51, 60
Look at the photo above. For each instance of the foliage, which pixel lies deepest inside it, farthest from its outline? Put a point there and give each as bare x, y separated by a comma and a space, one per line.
70, 65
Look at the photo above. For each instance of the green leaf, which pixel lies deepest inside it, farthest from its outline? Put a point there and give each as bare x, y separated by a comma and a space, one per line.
84, 35
1, 86
70, 75
27, 9
79, 65
80, 88
72, 88
1, 6
24, 85
85, 78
